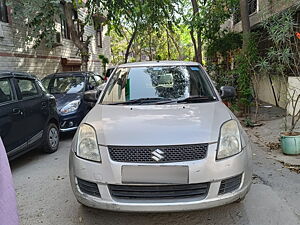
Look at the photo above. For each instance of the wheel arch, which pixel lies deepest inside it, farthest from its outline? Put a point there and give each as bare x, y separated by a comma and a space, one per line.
55, 121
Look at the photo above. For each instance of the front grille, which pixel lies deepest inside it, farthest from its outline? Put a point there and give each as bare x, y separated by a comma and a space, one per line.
161, 154
157, 192
88, 187
230, 184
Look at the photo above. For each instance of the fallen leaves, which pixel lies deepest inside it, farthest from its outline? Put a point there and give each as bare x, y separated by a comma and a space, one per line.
273, 145
292, 168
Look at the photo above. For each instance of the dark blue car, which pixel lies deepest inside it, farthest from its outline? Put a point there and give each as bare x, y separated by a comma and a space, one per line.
69, 89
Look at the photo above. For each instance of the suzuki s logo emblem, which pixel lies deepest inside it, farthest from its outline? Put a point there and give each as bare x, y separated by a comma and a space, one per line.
157, 155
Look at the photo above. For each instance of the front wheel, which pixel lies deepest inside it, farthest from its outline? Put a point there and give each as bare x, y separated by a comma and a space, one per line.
51, 139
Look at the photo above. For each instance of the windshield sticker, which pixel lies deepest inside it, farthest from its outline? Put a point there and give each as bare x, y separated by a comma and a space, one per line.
195, 68
165, 80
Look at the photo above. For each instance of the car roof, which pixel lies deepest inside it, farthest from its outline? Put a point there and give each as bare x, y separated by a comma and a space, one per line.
9, 73
159, 63
71, 73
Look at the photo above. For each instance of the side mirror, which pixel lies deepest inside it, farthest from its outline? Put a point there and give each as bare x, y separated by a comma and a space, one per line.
90, 87
91, 96
227, 92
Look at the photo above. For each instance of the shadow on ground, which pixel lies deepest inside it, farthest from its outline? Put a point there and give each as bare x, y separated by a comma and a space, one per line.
229, 214
36, 154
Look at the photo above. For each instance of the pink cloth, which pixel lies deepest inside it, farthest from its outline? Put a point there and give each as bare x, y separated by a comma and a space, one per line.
8, 206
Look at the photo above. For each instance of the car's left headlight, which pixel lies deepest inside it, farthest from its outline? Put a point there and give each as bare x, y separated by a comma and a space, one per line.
71, 107
230, 140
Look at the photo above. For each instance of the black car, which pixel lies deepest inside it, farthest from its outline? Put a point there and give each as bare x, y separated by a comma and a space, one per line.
28, 117
69, 89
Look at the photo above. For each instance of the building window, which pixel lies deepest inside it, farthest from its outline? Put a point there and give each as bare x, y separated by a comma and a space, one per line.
252, 8
77, 24
64, 28
99, 37
3, 11
65, 32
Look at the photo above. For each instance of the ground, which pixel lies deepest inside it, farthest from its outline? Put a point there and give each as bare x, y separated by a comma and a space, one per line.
45, 197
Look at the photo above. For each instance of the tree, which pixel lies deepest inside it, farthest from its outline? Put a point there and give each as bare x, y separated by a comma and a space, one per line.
197, 42
163, 44
244, 8
130, 18
204, 19
39, 18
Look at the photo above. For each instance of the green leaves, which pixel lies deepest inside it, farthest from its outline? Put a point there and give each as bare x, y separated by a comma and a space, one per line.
37, 17
283, 56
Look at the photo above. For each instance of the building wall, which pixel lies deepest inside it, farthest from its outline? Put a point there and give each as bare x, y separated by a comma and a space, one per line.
16, 54
265, 92
292, 94
265, 9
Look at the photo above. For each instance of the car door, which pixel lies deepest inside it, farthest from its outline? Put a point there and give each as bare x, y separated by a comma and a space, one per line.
35, 107
94, 83
95, 80
11, 117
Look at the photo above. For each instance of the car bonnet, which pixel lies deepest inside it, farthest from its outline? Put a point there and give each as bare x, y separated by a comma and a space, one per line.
156, 125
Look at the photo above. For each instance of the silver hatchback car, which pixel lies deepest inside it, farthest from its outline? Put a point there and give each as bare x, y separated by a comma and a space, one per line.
160, 139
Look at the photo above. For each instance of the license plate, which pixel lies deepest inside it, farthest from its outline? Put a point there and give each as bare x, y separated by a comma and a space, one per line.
155, 174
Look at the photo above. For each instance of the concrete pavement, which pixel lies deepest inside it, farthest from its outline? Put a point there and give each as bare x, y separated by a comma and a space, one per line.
45, 197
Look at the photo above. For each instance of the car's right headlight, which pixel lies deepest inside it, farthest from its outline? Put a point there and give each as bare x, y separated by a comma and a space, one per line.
87, 144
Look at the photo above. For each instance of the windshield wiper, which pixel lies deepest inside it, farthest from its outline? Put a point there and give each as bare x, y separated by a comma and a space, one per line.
139, 101
196, 99
191, 99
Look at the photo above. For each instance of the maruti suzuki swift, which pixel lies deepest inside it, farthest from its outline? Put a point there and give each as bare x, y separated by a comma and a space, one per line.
160, 139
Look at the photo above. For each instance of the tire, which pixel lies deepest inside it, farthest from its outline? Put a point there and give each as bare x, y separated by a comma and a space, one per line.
51, 139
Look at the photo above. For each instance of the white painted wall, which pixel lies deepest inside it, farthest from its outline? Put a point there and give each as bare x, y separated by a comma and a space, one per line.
293, 93
264, 89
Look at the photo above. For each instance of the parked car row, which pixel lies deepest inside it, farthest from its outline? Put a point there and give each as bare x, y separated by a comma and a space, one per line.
33, 113
158, 138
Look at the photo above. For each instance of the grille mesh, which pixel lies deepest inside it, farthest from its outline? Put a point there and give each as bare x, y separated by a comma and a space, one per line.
145, 154
230, 184
159, 191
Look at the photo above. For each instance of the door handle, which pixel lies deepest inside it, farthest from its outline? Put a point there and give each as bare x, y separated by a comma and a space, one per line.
17, 111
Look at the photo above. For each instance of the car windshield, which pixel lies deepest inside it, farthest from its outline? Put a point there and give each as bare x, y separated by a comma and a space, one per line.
158, 85
64, 84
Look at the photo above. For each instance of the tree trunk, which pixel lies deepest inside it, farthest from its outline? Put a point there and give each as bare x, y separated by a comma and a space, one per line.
150, 47
168, 45
85, 59
244, 7
130, 44
197, 42
75, 36
175, 44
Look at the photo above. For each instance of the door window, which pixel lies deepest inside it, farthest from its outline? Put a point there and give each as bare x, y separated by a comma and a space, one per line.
3, 11
95, 81
28, 88
6, 94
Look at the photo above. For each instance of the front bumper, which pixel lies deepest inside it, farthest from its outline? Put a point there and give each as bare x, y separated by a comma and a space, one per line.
201, 171
70, 122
